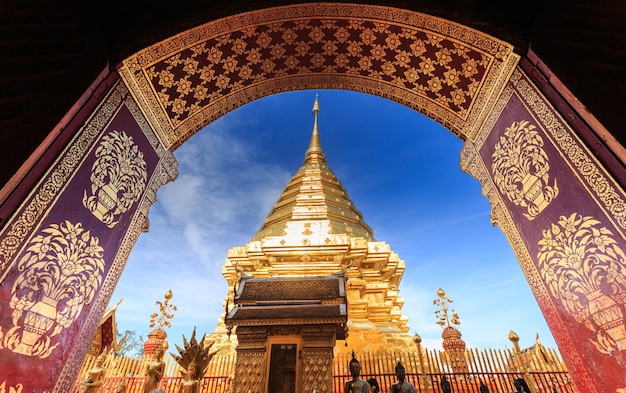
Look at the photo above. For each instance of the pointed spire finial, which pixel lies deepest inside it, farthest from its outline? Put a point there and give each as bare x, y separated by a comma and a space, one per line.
316, 106
314, 153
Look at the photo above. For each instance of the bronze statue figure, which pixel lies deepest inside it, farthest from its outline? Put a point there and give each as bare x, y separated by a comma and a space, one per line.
402, 386
356, 385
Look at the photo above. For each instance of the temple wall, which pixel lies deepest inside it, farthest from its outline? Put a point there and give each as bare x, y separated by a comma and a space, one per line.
317, 358
564, 217
64, 249
251, 363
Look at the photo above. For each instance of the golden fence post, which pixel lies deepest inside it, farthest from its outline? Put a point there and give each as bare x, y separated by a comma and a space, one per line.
418, 341
514, 338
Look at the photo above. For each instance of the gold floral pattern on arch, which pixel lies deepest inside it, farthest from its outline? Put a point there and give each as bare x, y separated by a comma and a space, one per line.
521, 169
583, 266
61, 272
118, 178
443, 70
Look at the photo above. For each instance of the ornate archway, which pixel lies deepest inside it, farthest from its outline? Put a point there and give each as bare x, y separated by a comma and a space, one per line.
563, 214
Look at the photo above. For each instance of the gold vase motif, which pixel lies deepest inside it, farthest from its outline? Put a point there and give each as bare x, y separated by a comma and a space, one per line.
37, 321
520, 169
608, 317
12, 389
61, 272
106, 200
118, 178
582, 266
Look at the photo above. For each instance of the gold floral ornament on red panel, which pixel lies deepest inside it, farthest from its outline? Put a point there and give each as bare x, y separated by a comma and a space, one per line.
583, 266
521, 169
11, 389
61, 272
118, 178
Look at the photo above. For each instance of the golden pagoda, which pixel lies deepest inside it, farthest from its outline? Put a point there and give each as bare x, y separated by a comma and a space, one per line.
314, 229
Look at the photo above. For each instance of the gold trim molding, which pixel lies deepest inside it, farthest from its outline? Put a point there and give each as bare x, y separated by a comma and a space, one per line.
444, 70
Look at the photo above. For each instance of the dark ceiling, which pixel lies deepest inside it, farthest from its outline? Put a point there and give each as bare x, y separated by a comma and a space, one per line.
52, 50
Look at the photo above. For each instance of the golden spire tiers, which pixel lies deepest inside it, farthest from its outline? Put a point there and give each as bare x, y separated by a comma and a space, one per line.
314, 229
313, 205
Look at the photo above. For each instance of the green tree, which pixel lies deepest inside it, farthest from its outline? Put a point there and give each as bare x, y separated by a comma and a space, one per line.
131, 343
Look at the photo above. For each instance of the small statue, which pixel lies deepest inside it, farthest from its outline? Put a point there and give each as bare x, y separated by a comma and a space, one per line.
445, 385
193, 359
356, 385
190, 382
95, 376
154, 372
402, 386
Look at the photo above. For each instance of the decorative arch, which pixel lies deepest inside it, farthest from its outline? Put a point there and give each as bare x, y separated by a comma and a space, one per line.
561, 210
444, 70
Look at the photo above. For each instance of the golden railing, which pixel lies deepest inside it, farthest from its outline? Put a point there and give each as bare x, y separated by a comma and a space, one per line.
543, 370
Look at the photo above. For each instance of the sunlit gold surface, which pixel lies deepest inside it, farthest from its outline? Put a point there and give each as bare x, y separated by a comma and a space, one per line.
453, 344
157, 337
193, 358
446, 316
315, 229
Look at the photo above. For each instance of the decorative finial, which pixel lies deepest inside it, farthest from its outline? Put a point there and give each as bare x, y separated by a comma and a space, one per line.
444, 319
417, 339
316, 106
166, 312
314, 153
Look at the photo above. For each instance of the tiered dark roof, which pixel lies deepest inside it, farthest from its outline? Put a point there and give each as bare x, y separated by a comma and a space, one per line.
290, 301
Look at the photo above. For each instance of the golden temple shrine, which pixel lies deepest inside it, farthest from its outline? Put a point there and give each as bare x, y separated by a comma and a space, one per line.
314, 230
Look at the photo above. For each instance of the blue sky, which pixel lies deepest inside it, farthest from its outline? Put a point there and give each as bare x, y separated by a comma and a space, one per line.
401, 170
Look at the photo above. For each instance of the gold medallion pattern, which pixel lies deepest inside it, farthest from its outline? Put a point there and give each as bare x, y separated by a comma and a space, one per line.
60, 274
520, 169
118, 178
442, 69
583, 266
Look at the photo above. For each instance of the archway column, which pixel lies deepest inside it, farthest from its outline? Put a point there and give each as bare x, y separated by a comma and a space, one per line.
64, 249
564, 217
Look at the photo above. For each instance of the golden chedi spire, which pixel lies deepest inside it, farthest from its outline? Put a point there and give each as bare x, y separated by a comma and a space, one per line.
314, 198
314, 229
314, 153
